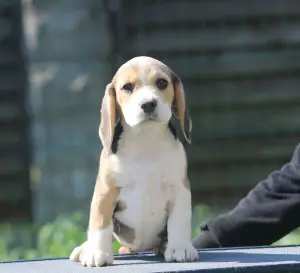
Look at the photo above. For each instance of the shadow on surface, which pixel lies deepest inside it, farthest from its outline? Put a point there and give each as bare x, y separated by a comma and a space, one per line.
139, 259
218, 257
246, 257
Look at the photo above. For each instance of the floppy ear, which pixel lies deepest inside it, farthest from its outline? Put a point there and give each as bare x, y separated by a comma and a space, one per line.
180, 109
108, 117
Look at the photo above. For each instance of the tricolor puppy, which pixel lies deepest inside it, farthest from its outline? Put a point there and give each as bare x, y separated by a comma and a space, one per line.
142, 189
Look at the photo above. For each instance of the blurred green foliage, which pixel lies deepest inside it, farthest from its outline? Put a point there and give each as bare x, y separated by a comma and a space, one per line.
58, 238
55, 239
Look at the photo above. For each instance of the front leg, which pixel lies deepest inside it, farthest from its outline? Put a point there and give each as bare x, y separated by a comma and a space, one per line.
97, 250
179, 246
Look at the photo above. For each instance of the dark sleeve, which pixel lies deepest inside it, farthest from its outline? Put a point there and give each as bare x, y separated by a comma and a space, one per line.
270, 211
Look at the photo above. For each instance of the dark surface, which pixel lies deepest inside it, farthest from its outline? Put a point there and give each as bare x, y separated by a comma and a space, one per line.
269, 259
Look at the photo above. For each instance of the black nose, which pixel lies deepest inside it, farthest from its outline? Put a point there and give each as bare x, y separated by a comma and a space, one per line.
149, 106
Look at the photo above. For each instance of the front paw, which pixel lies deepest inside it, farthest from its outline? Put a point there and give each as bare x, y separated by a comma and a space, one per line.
90, 255
184, 253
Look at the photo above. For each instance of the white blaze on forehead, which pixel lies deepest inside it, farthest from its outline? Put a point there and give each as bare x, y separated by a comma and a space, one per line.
144, 76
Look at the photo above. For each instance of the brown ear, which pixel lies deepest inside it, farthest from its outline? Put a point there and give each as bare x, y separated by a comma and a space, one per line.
108, 117
180, 108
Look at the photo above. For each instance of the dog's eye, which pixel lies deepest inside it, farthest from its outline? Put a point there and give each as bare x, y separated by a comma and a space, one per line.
128, 87
161, 84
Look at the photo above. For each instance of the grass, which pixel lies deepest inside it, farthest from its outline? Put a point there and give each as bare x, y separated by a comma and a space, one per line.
58, 238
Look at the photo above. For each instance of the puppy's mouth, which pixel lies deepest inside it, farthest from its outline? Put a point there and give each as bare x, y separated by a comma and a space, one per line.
150, 117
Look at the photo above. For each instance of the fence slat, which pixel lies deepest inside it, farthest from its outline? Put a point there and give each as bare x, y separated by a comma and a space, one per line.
235, 151
243, 93
208, 39
253, 122
164, 12
235, 64
230, 179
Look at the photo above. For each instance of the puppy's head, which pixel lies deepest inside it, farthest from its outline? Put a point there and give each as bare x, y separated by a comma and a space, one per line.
143, 90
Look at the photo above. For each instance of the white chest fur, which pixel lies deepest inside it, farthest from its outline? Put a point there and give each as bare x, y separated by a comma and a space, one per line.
150, 166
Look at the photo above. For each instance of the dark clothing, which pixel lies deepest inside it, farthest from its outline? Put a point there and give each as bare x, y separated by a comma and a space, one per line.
270, 211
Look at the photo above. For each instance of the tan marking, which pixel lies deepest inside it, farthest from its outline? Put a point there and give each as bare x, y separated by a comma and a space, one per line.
158, 73
104, 197
129, 74
169, 95
125, 250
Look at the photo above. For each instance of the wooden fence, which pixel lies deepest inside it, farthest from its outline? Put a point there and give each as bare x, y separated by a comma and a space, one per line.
240, 64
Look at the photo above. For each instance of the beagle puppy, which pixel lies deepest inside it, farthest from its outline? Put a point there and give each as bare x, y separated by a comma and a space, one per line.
142, 195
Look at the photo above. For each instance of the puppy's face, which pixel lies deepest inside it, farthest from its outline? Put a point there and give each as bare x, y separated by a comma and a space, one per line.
144, 91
